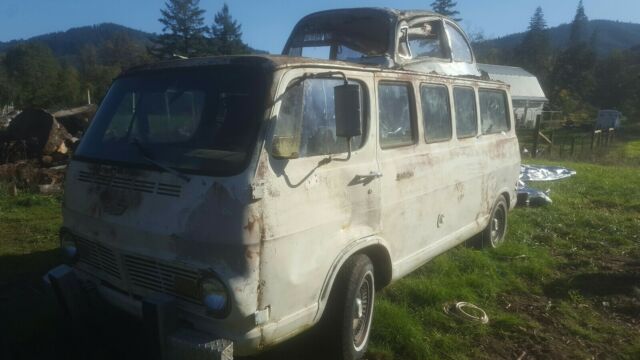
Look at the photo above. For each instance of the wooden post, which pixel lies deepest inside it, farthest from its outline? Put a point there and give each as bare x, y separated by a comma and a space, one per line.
551, 143
593, 139
536, 135
610, 136
561, 143
599, 141
573, 146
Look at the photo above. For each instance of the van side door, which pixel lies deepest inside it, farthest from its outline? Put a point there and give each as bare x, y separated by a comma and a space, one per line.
318, 199
407, 207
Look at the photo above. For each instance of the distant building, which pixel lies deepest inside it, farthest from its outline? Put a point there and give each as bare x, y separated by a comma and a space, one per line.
608, 119
527, 94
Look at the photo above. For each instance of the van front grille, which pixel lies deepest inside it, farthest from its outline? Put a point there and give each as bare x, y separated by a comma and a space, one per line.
118, 182
165, 278
140, 275
98, 256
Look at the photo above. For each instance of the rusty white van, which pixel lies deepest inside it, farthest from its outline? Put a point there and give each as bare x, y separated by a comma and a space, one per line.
248, 198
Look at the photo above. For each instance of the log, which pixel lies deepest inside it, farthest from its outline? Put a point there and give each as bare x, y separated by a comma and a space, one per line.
40, 131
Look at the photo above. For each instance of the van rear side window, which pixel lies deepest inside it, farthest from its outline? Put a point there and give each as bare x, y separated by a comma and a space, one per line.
493, 111
464, 99
436, 113
394, 109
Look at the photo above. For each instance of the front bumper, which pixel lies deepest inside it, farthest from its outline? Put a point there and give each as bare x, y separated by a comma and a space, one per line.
160, 315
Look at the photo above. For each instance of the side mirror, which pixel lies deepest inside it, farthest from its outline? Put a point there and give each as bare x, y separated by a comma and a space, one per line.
285, 147
348, 110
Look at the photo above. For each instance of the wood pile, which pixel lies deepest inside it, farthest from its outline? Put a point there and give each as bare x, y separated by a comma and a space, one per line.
35, 146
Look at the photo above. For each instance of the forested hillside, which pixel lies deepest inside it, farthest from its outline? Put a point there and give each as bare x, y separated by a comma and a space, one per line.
69, 44
583, 66
606, 35
63, 69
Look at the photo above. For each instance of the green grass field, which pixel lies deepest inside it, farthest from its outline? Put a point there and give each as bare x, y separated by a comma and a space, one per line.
566, 285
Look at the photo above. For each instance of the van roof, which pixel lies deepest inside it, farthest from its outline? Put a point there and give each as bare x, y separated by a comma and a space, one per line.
275, 62
395, 14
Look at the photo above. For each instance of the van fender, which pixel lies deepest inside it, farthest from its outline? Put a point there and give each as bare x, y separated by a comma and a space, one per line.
511, 197
351, 249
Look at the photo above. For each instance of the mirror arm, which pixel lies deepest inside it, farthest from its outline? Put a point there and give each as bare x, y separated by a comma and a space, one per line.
331, 158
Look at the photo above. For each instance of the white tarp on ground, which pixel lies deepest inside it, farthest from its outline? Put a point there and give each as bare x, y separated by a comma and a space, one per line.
528, 196
544, 173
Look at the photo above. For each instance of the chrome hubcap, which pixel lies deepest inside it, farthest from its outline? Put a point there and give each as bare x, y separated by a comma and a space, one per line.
359, 308
362, 311
498, 226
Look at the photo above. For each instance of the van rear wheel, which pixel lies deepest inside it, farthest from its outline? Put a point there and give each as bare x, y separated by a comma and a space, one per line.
354, 307
494, 234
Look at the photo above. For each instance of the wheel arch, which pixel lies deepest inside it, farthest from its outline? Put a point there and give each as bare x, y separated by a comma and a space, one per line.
377, 251
509, 195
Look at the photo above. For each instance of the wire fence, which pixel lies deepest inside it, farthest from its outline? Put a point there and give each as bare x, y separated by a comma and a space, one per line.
565, 142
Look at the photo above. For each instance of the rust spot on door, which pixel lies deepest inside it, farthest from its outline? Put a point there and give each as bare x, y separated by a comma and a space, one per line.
460, 191
404, 175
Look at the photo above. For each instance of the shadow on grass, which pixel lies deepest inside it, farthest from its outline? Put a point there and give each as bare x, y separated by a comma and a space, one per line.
310, 345
620, 290
595, 284
33, 327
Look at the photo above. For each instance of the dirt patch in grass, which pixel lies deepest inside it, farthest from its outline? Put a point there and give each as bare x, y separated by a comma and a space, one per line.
580, 315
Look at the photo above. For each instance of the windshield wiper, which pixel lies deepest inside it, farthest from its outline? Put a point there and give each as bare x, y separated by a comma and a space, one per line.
150, 159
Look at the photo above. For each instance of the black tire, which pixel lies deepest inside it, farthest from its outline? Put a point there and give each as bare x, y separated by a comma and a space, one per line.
351, 311
494, 234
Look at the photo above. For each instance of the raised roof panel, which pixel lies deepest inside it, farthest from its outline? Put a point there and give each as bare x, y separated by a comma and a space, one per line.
416, 40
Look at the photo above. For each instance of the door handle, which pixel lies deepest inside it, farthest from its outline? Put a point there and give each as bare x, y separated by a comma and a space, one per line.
372, 174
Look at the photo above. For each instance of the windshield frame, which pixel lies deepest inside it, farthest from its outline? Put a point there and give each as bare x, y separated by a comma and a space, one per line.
258, 117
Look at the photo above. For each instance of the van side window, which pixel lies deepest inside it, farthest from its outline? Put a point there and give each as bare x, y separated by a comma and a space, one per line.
464, 99
394, 113
493, 111
307, 119
436, 112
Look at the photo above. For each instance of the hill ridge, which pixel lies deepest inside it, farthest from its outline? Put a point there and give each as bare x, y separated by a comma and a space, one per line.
610, 35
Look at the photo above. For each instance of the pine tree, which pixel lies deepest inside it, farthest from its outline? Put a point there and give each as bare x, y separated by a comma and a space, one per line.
95, 76
68, 88
122, 51
5, 86
578, 26
227, 34
535, 50
537, 23
573, 78
34, 71
446, 8
184, 30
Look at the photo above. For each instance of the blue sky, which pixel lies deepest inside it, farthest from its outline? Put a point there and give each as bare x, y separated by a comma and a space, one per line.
267, 23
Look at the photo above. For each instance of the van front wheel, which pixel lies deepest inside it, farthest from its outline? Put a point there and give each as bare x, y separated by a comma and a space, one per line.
495, 232
355, 306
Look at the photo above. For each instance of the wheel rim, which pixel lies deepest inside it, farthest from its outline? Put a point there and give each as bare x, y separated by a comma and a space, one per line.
498, 225
362, 310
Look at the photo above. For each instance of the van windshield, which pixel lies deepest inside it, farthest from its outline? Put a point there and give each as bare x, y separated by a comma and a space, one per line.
198, 120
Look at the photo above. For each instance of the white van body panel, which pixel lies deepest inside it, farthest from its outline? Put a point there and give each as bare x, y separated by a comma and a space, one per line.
278, 233
312, 209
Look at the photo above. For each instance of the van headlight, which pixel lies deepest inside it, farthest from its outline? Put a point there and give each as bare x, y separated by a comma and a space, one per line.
214, 296
68, 245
